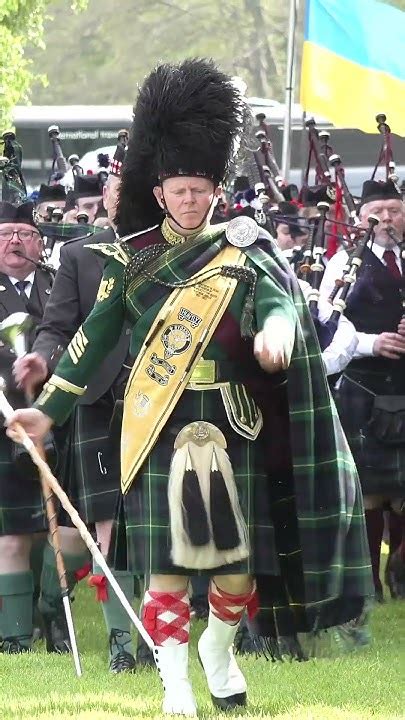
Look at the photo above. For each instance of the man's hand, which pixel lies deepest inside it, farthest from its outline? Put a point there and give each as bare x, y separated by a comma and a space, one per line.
390, 345
273, 345
35, 423
401, 327
30, 371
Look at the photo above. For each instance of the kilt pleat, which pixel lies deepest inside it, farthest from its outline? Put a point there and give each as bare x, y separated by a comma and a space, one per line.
88, 477
21, 507
381, 468
145, 509
337, 567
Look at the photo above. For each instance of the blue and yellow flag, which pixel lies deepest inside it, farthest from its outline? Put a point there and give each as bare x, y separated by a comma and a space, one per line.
353, 64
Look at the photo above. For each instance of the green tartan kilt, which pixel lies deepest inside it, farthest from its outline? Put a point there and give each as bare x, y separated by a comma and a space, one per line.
144, 511
21, 508
88, 476
381, 468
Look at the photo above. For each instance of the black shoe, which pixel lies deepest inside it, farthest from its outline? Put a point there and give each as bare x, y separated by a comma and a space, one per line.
12, 646
230, 703
121, 659
56, 633
122, 662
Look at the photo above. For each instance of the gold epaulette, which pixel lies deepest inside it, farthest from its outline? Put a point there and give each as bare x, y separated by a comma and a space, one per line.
115, 250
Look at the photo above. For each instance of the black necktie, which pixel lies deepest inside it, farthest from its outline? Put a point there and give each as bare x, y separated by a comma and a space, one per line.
21, 287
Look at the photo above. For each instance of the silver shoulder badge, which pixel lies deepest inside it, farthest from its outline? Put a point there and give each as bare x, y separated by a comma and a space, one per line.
242, 231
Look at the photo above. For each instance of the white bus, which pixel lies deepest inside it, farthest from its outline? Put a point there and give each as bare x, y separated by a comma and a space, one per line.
85, 128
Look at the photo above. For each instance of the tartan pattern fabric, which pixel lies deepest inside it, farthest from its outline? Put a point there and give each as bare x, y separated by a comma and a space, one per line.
67, 231
381, 468
143, 522
166, 617
21, 507
310, 500
87, 475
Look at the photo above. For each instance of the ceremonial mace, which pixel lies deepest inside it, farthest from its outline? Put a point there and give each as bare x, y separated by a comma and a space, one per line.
13, 331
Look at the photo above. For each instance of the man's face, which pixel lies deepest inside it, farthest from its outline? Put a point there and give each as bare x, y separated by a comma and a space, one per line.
41, 210
391, 214
110, 196
189, 200
70, 216
89, 205
28, 241
284, 239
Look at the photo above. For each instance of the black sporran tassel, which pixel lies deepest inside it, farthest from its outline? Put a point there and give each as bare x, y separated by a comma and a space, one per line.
224, 528
194, 513
247, 321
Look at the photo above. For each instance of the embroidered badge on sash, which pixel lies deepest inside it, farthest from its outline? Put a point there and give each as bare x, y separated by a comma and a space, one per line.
176, 339
141, 404
186, 315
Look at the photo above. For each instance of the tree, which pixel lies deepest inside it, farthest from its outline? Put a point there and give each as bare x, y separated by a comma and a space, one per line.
111, 46
100, 56
21, 27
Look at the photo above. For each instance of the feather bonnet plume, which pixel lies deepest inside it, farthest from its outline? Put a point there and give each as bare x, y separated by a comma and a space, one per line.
188, 119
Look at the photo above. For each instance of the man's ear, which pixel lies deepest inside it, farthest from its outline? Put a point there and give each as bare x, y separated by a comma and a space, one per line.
158, 193
218, 191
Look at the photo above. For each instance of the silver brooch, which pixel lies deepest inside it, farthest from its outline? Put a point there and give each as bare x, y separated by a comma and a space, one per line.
242, 231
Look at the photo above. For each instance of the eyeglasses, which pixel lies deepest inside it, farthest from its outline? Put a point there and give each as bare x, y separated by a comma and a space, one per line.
23, 235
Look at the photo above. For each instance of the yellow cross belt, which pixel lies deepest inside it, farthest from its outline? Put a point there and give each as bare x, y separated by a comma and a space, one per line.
173, 346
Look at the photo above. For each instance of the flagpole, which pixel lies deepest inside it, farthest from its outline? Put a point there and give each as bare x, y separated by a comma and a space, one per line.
289, 89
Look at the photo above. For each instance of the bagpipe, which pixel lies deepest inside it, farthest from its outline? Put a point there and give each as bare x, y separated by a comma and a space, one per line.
319, 152
73, 161
12, 184
386, 156
59, 161
266, 162
351, 270
318, 252
326, 161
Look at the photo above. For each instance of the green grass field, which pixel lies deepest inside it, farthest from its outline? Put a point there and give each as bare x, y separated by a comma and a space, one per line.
368, 684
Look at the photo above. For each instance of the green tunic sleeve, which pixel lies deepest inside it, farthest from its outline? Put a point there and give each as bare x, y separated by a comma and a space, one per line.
271, 300
94, 339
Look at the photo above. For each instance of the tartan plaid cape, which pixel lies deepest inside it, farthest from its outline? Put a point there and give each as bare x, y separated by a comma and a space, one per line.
316, 502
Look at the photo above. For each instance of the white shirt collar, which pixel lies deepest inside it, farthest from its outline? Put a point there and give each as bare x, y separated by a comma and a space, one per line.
30, 278
379, 250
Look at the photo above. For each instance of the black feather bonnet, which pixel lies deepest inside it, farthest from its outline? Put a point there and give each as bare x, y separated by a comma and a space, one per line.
186, 120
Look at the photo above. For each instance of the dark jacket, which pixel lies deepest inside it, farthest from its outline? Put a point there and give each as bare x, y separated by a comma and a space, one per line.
11, 302
72, 299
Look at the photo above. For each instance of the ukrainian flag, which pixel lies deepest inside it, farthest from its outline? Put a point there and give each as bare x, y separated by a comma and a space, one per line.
353, 64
